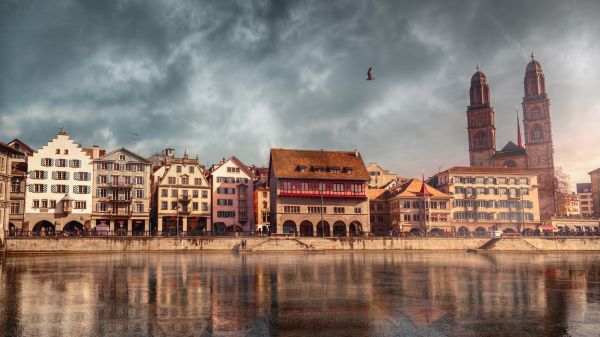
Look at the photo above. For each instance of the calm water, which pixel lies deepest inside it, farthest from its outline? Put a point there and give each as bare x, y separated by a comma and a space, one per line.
341, 294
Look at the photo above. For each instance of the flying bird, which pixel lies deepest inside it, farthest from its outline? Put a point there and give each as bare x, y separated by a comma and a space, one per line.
370, 76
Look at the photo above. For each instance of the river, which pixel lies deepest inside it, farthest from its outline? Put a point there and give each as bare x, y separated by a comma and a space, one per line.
301, 294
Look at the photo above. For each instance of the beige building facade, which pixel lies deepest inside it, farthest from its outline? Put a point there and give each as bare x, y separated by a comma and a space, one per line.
379, 177
491, 199
586, 200
318, 193
595, 188
18, 184
6, 153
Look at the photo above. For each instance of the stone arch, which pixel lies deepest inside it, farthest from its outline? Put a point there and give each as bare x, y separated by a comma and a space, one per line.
320, 226
537, 133
219, 227
306, 228
339, 228
480, 231
436, 231
72, 226
416, 231
355, 228
289, 227
464, 231
480, 140
43, 227
509, 230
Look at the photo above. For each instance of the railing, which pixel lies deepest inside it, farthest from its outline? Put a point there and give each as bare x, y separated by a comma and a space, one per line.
121, 233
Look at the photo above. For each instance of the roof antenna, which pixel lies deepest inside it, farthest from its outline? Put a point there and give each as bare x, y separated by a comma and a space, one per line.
532, 56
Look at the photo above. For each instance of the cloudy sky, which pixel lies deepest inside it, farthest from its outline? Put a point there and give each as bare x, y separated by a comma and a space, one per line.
220, 78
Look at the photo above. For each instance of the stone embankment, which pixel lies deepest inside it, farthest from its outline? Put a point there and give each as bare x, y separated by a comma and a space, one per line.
264, 244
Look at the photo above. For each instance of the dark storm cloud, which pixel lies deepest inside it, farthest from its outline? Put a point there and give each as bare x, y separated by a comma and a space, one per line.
237, 77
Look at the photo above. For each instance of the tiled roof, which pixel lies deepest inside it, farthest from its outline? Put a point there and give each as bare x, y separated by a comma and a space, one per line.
413, 187
491, 170
7, 149
301, 164
595, 171
510, 149
377, 194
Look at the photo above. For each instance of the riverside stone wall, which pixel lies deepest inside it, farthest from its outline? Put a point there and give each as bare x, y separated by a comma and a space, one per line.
151, 244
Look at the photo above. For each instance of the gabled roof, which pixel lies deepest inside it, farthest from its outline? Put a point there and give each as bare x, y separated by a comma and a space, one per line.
8, 149
377, 194
237, 163
28, 150
414, 187
122, 149
595, 171
301, 164
510, 149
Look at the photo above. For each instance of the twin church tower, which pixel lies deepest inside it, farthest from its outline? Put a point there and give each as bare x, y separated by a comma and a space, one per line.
536, 154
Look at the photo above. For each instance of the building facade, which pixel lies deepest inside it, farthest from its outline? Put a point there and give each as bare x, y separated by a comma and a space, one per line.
318, 193
537, 154
6, 153
233, 197
59, 187
121, 192
379, 177
420, 209
595, 188
379, 211
18, 184
573, 205
262, 207
181, 202
491, 199
586, 201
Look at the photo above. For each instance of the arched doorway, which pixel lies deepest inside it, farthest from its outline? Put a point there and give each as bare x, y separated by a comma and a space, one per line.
43, 227
436, 232
12, 230
289, 227
73, 227
508, 230
320, 229
355, 228
339, 228
480, 231
463, 231
306, 228
219, 228
415, 232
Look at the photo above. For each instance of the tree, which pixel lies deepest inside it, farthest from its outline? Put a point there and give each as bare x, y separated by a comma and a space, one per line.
562, 190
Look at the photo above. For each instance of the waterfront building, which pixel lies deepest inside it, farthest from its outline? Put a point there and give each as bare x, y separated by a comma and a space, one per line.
586, 201
181, 200
419, 208
121, 192
262, 207
595, 188
491, 198
59, 194
318, 192
379, 211
573, 205
6, 152
233, 197
379, 176
17, 185
536, 154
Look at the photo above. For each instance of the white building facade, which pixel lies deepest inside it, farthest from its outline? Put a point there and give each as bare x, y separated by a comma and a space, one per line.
59, 187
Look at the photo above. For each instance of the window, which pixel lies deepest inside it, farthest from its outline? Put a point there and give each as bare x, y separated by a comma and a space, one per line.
102, 192
61, 162
139, 194
81, 189
139, 208
139, 180
52, 203
66, 151
191, 169
265, 194
225, 190
195, 206
15, 186
318, 210
172, 180
197, 181
46, 162
80, 204
122, 157
37, 174
60, 175
233, 169
14, 208
127, 180
225, 202
103, 179
82, 176
338, 210
291, 209
195, 193
178, 167
164, 205
75, 163
537, 133
36, 204
173, 205
57, 151
357, 210
204, 194
174, 193
38, 188
44, 204
60, 189
164, 192
185, 180
480, 140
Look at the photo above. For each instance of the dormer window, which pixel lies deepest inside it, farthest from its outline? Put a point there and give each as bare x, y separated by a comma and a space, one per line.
122, 157
333, 169
347, 170
318, 169
300, 168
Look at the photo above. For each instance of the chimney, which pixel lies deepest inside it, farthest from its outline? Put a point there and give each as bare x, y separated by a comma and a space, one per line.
95, 151
356, 153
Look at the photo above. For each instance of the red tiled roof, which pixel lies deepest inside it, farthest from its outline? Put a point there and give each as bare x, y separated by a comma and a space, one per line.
377, 194
286, 163
414, 188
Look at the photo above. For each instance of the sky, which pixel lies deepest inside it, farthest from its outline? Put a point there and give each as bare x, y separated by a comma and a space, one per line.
223, 78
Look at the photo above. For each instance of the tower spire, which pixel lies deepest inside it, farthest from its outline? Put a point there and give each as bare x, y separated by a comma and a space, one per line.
519, 140
532, 56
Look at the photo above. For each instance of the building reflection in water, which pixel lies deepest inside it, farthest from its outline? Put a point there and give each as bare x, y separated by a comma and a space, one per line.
341, 294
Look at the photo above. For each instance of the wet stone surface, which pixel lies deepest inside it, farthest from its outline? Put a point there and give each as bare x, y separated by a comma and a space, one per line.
301, 294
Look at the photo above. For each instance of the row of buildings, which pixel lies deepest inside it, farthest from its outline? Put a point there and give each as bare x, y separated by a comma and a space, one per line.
64, 186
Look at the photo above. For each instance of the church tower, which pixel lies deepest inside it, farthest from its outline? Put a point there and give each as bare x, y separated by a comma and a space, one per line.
538, 134
480, 122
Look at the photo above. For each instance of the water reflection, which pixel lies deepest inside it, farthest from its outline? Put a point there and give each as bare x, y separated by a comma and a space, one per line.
342, 294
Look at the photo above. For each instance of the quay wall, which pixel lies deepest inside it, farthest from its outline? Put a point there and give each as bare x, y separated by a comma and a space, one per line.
258, 244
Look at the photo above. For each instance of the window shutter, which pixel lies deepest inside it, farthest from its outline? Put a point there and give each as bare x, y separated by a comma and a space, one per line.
45, 188
66, 188
45, 175
31, 188
42, 161
88, 176
67, 174
54, 175
53, 188
76, 176
31, 174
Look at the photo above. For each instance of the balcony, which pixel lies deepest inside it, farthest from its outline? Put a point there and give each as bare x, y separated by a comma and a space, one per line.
119, 185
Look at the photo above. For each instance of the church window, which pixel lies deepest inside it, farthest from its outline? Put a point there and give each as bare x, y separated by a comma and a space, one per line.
480, 140
537, 134
536, 113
